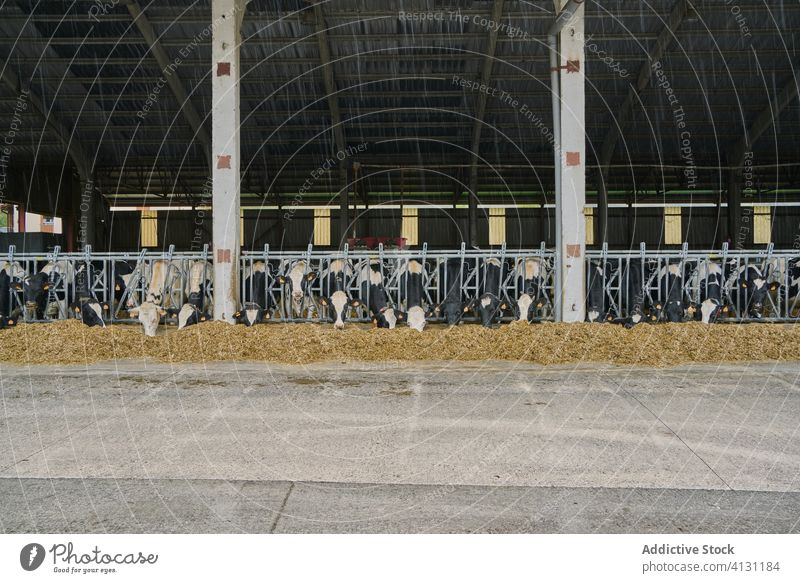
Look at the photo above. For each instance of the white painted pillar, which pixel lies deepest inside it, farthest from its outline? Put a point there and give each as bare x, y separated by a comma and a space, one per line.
226, 159
573, 168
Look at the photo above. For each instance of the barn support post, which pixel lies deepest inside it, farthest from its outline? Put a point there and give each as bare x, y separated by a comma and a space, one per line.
568, 84
226, 189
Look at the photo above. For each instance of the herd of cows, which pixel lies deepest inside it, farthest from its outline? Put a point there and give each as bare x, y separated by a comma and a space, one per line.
705, 290
393, 292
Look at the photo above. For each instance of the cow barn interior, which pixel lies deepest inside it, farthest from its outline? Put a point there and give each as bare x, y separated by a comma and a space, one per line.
426, 121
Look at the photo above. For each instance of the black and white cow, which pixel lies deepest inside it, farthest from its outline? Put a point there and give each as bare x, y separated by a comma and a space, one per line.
411, 291
35, 291
381, 311
257, 304
708, 277
450, 280
161, 295
489, 304
596, 299
335, 296
633, 276
673, 303
199, 280
6, 320
297, 279
530, 300
123, 272
748, 288
86, 307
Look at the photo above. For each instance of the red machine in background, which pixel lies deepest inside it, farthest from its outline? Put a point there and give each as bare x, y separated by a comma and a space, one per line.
374, 242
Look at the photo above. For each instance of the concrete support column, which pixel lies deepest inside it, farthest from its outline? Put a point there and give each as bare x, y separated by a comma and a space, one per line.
572, 168
226, 160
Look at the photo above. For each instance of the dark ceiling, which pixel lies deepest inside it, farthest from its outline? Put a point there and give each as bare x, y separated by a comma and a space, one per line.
727, 63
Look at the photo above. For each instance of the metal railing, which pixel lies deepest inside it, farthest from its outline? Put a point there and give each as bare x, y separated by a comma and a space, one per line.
616, 270
392, 263
782, 303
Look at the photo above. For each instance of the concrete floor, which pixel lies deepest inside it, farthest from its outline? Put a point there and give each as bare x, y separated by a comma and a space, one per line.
447, 447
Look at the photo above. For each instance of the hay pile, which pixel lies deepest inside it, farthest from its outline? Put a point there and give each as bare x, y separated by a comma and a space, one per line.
70, 342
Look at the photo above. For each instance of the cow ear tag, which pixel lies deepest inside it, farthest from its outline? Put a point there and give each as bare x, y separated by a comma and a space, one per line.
323, 301
237, 314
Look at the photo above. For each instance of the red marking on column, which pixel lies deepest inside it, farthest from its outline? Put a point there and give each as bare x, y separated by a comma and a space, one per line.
223, 162
573, 158
223, 255
573, 67
223, 69
573, 250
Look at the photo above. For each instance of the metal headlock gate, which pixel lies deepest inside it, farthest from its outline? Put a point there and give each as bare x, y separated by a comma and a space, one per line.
778, 266
392, 263
102, 278
106, 266
782, 303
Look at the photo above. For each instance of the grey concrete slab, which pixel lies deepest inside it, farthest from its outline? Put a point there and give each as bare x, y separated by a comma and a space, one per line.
434, 425
217, 506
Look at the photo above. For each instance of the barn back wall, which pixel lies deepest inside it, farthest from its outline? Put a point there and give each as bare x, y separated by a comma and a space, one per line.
446, 228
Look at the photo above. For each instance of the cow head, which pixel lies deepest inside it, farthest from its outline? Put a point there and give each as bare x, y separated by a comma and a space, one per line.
149, 314
188, 315
89, 311
758, 289
252, 314
671, 311
34, 290
297, 282
453, 311
708, 311
416, 318
386, 318
338, 307
526, 307
488, 307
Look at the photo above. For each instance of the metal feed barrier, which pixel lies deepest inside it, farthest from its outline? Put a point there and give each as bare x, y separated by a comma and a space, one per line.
781, 305
392, 263
102, 279
616, 270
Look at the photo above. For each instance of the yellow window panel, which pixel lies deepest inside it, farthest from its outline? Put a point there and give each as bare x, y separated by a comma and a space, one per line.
149, 228
322, 226
762, 225
588, 214
497, 226
409, 229
673, 232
